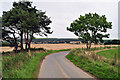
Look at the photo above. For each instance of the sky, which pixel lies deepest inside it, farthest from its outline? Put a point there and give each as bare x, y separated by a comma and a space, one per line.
64, 12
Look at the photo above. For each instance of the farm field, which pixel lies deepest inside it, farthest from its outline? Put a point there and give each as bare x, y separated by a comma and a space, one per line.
55, 46
109, 54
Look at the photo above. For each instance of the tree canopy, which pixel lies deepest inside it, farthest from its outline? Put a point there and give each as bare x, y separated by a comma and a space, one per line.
91, 28
24, 20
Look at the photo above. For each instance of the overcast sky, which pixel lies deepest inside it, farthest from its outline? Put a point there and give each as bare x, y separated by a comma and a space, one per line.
64, 12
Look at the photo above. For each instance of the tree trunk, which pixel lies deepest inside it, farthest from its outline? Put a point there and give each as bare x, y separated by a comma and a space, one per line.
88, 44
29, 46
15, 43
29, 43
26, 49
16, 47
26, 42
21, 46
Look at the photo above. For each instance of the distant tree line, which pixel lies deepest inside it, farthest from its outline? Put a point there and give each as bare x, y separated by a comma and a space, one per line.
54, 40
113, 42
5, 43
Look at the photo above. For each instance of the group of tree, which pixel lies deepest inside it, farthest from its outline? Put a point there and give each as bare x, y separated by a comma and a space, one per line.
23, 22
90, 28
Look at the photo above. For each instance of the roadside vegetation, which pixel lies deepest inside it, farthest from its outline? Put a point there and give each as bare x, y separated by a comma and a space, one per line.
99, 65
22, 65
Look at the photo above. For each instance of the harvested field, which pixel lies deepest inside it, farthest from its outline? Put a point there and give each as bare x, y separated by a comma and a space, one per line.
6, 49
55, 46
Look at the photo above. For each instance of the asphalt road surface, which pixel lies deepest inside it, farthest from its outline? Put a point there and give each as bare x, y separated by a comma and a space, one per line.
57, 66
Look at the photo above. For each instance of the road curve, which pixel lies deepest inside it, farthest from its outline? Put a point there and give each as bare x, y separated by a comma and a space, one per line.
57, 66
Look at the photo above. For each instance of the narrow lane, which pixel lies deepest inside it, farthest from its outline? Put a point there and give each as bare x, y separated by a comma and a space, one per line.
57, 66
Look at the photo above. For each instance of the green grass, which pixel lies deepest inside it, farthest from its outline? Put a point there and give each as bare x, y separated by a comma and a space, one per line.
23, 66
100, 48
109, 54
99, 68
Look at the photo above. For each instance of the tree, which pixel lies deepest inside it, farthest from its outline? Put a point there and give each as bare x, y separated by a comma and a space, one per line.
90, 28
37, 24
13, 20
41, 23
9, 30
21, 11
25, 20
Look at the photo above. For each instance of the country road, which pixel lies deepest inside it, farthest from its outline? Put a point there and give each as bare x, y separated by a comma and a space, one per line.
57, 66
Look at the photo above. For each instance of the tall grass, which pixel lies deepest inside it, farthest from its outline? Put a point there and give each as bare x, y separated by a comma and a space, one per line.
94, 64
22, 65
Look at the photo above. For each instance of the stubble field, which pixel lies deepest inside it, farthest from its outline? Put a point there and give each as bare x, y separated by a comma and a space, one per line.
54, 46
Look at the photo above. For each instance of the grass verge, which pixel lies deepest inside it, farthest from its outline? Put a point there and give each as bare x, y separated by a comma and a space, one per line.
109, 54
23, 66
101, 68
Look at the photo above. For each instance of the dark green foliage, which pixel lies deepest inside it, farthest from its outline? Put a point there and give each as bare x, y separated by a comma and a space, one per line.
90, 27
24, 19
113, 42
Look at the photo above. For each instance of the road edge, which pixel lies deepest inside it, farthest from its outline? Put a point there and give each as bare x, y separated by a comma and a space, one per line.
82, 69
